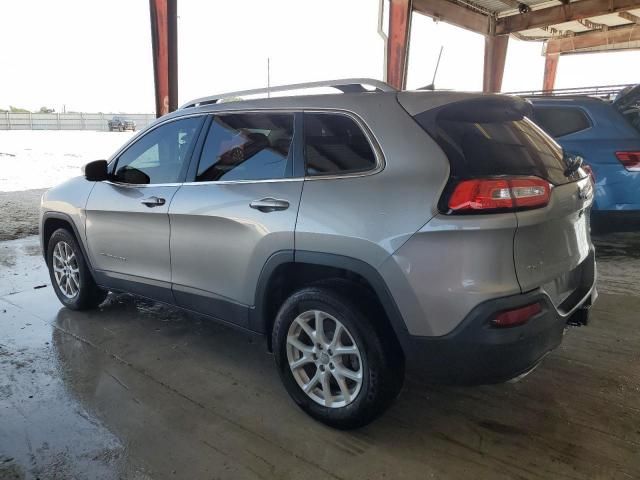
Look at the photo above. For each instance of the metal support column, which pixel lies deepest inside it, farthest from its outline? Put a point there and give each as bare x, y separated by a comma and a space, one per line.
398, 42
164, 38
550, 69
495, 53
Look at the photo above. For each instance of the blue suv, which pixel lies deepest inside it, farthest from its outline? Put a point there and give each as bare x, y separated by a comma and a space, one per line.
607, 136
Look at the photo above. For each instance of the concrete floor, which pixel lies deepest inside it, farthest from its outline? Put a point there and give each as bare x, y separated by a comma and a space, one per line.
136, 390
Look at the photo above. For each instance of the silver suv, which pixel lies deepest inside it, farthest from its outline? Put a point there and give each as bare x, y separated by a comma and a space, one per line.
362, 234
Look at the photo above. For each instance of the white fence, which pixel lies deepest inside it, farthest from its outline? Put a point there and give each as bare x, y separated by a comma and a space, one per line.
67, 121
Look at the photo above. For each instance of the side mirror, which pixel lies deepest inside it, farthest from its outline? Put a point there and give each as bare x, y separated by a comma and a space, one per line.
96, 171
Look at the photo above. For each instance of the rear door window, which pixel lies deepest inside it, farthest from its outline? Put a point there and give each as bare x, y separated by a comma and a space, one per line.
247, 146
335, 145
509, 145
561, 121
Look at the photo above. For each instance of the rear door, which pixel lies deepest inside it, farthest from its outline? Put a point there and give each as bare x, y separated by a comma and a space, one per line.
239, 209
127, 221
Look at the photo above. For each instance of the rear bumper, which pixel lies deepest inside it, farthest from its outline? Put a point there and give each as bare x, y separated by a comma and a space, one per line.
477, 353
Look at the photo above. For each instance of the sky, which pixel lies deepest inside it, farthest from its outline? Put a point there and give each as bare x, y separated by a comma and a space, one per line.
95, 55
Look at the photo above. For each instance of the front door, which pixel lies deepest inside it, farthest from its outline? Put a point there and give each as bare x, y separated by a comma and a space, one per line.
239, 209
127, 222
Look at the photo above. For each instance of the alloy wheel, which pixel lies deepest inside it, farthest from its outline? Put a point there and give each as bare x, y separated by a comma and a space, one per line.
324, 359
66, 269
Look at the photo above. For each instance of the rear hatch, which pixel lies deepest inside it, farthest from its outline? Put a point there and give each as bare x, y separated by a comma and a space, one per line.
501, 162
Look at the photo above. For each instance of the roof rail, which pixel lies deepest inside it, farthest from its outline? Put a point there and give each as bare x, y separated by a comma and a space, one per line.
347, 85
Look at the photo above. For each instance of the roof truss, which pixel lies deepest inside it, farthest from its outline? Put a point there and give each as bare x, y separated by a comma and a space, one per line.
577, 10
614, 38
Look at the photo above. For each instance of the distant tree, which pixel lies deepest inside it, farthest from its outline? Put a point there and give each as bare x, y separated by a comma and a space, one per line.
13, 109
46, 110
2, 110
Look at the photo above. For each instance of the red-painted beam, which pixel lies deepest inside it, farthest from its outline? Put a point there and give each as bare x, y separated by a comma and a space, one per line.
163, 14
495, 54
398, 43
550, 69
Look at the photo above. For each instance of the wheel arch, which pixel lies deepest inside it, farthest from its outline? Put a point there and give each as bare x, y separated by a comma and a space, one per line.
52, 221
286, 271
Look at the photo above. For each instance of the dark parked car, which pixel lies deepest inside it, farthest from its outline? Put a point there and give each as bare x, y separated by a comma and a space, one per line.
607, 136
120, 124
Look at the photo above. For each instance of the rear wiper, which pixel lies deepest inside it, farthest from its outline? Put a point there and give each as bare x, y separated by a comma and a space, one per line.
574, 163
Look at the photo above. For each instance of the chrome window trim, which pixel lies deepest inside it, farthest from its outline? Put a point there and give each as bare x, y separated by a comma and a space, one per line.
141, 185
264, 180
143, 133
373, 143
380, 161
233, 182
222, 182
375, 147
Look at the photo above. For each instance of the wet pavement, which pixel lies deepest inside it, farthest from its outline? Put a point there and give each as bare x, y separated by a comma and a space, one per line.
142, 391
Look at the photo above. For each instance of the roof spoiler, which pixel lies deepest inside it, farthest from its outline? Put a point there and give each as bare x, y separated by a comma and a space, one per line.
486, 109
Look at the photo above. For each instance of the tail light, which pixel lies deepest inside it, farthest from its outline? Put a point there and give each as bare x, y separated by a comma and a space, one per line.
629, 160
517, 316
483, 195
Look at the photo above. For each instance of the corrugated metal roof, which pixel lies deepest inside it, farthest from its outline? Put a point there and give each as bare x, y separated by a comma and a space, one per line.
505, 7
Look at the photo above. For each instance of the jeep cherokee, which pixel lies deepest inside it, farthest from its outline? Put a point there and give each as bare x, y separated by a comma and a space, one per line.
362, 234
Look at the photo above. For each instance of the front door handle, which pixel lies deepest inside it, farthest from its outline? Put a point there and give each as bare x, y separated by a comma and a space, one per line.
267, 205
153, 202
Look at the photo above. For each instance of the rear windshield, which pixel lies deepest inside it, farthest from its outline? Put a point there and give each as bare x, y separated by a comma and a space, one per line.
628, 104
507, 146
561, 121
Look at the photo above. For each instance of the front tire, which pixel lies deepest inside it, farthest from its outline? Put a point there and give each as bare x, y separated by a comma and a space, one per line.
333, 361
69, 273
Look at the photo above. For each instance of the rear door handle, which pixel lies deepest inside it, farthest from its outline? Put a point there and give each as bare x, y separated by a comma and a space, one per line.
267, 205
153, 202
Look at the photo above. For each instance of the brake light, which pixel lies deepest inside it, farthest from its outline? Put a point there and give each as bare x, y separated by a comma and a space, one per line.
517, 316
490, 194
629, 160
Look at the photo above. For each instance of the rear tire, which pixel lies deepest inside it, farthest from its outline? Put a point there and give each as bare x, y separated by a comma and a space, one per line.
345, 382
69, 273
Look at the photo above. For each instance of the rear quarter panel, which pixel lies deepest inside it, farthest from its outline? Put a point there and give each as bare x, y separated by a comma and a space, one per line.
368, 217
448, 267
